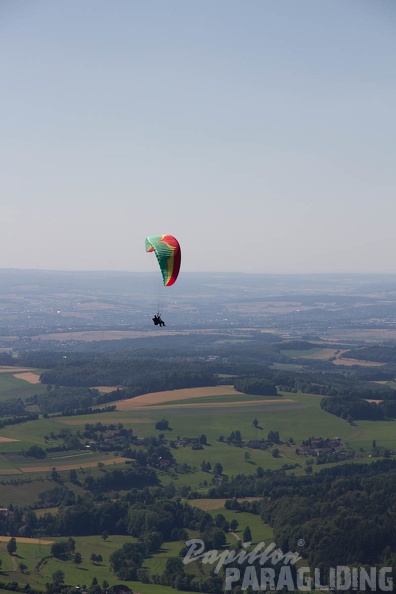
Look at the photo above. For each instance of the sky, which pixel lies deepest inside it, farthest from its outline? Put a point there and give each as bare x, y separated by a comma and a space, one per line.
260, 133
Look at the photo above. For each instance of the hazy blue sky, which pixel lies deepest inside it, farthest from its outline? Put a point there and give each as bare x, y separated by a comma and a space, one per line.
261, 133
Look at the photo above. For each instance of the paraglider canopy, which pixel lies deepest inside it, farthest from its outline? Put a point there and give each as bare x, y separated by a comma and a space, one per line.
168, 253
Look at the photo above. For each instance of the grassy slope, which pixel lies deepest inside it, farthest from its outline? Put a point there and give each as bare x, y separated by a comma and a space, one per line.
226, 398
12, 387
299, 419
31, 554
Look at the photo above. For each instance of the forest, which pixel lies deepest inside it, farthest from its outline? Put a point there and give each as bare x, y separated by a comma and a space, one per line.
342, 513
345, 391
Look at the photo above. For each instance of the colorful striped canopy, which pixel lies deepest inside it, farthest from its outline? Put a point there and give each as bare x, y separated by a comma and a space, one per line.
167, 250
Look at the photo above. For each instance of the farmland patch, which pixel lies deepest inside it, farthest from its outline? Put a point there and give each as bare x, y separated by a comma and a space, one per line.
175, 395
28, 376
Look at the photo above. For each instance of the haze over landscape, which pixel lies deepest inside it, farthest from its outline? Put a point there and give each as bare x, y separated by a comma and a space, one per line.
261, 135
249, 400
262, 412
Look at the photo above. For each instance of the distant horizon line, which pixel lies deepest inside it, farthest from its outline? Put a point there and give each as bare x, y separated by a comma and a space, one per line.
211, 272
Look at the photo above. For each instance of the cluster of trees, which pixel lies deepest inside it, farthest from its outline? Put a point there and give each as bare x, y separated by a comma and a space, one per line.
327, 458
115, 480
343, 516
58, 399
144, 375
162, 425
35, 451
341, 513
256, 385
6, 358
389, 408
235, 438
293, 513
15, 587
88, 410
175, 576
63, 549
254, 359
12, 407
380, 354
156, 452
351, 408
17, 420
126, 562
107, 438
273, 437
67, 401
165, 521
207, 467
139, 373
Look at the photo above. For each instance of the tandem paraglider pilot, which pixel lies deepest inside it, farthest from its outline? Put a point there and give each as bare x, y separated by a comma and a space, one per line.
157, 320
168, 253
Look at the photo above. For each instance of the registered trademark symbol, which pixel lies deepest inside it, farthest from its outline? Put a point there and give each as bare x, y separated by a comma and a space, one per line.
301, 542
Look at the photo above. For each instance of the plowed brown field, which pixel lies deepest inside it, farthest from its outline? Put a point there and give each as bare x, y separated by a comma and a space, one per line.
30, 377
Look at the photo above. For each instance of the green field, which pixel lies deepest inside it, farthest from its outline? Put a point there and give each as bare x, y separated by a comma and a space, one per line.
260, 532
298, 353
32, 554
13, 387
313, 353
231, 398
301, 418
287, 366
296, 416
156, 564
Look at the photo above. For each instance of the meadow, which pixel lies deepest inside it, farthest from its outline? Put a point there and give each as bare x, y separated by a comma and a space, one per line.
260, 532
296, 416
13, 387
224, 399
313, 353
40, 565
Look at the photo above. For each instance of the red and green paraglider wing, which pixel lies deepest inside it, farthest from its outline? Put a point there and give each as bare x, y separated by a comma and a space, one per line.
167, 250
